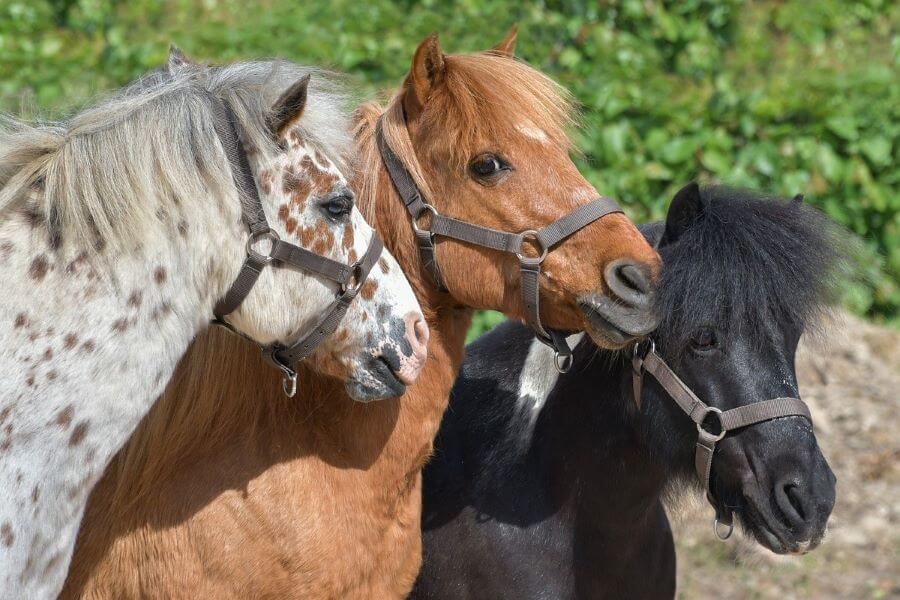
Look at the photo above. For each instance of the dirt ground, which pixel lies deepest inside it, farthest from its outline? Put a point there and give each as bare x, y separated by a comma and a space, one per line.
850, 377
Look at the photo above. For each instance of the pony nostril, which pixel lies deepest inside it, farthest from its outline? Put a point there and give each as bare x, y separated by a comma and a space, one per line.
792, 491
790, 499
629, 281
634, 278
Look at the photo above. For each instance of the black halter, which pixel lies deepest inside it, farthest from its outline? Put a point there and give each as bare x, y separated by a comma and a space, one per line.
512, 243
646, 359
350, 278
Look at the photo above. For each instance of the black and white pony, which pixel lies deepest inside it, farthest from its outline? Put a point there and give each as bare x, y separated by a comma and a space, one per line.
552, 486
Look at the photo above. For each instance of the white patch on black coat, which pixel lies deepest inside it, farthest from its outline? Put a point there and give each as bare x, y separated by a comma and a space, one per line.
536, 380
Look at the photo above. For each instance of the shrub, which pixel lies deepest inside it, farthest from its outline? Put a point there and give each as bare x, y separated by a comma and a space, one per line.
787, 96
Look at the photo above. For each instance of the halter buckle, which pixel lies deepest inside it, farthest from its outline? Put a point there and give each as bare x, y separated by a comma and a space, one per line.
257, 236
531, 233
722, 431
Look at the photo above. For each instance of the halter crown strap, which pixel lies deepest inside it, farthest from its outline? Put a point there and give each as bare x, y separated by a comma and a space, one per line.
698, 411
512, 243
283, 254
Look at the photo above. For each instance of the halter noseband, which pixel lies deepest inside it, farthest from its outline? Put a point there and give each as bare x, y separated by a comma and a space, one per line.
699, 412
512, 243
350, 278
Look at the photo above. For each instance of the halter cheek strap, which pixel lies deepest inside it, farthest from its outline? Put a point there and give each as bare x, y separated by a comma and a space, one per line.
698, 411
282, 254
478, 235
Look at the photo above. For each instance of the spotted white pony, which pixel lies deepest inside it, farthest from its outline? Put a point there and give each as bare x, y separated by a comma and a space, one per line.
119, 231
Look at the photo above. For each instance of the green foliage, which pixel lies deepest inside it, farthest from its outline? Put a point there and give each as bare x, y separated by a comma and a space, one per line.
789, 96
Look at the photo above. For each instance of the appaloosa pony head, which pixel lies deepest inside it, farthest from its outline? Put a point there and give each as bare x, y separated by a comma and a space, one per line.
151, 159
744, 278
484, 137
380, 346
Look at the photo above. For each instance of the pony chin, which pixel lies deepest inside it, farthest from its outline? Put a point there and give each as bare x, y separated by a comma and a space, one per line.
760, 520
604, 341
371, 389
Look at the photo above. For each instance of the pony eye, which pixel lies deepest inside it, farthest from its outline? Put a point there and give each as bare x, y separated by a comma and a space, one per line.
704, 339
486, 166
338, 206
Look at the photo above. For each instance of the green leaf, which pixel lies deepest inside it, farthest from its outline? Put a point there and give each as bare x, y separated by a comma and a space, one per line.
843, 126
877, 149
678, 150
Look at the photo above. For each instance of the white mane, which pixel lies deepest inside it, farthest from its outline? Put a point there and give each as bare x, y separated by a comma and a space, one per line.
151, 150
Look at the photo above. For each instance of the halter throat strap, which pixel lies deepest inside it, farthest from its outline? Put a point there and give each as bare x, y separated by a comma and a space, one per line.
699, 412
349, 278
502, 241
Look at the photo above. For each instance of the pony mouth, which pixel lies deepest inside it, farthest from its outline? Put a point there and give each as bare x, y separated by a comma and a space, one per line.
767, 524
602, 330
378, 381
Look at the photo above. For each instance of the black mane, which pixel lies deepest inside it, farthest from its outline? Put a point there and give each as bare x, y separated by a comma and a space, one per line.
748, 260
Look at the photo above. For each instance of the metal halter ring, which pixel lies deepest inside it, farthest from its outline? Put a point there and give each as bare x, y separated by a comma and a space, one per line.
722, 432
564, 365
727, 534
415, 225
255, 237
356, 275
534, 236
636, 351
289, 384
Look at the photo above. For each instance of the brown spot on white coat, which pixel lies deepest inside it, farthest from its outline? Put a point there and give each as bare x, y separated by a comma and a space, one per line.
78, 433
39, 267
64, 418
6, 533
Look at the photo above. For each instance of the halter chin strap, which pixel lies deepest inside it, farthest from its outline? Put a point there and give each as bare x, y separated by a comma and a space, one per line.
349, 278
512, 243
698, 411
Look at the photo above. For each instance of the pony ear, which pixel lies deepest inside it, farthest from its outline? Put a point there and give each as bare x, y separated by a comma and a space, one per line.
508, 46
685, 209
798, 199
288, 109
176, 60
427, 72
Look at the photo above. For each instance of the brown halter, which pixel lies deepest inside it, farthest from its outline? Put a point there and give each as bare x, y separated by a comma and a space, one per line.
350, 278
699, 412
513, 243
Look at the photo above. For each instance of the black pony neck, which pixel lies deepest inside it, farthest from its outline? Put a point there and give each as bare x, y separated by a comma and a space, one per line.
586, 451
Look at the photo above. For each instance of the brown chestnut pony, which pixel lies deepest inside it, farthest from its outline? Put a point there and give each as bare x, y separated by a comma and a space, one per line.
261, 496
